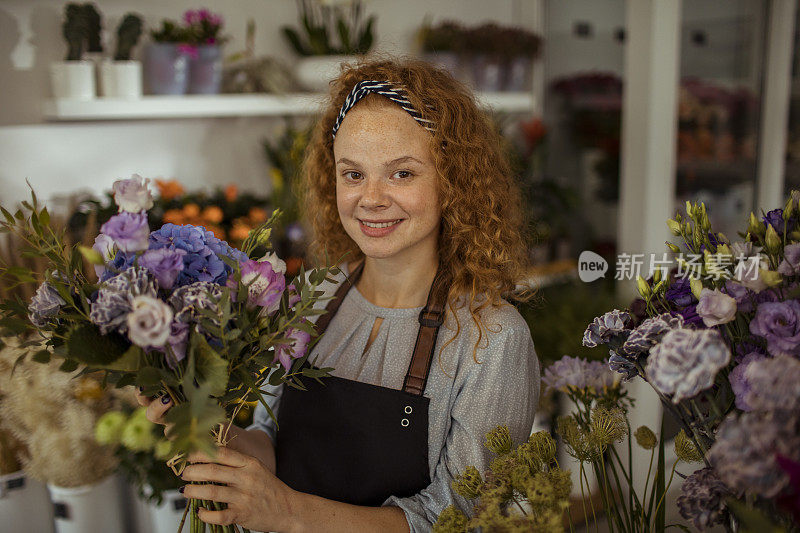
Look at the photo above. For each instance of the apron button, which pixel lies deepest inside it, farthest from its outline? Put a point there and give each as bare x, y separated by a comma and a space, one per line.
404, 422
408, 409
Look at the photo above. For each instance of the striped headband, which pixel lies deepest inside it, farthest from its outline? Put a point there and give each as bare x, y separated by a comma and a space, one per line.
383, 88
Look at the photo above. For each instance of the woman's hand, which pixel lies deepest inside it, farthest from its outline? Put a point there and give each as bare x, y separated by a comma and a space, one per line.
157, 406
256, 498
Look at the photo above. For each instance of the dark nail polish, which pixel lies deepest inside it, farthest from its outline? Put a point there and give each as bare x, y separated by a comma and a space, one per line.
166, 399
141, 389
181, 489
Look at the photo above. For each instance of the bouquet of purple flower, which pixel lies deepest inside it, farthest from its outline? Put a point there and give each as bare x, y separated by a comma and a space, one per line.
719, 342
176, 311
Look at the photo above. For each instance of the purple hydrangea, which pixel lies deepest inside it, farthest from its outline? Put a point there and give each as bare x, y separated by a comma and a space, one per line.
773, 384
739, 382
686, 362
165, 264
128, 230
702, 499
203, 251
779, 324
115, 299
44, 305
573, 373
295, 348
744, 453
607, 328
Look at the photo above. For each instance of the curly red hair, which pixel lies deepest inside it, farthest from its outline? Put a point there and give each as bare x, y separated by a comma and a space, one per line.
482, 242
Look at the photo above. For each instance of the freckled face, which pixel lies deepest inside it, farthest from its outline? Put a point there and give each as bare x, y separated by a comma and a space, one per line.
386, 183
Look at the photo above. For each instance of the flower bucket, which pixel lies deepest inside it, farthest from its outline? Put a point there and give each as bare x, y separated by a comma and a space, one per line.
166, 517
316, 72
519, 74
205, 70
121, 79
74, 80
165, 69
487, 72
89, 508
24, 504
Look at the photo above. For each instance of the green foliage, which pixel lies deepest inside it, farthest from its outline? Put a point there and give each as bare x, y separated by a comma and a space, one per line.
81, 30
87, 345
128, 33
320, 23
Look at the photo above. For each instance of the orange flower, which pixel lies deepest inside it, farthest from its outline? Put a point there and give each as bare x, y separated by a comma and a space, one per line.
231, 192
191, 210
293, 265
239, 231
218, 232
257, 215
169, 189
212, 214
174, 216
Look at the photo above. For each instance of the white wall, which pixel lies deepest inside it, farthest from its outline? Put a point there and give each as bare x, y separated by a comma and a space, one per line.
61, 157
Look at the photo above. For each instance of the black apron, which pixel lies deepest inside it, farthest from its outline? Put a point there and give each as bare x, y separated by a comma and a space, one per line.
355, 442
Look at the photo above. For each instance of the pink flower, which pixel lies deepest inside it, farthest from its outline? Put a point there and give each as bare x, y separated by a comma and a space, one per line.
188, 50
264, 286
294, 349
190, 17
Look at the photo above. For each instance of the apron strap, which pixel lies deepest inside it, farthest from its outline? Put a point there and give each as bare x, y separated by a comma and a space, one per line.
430, 319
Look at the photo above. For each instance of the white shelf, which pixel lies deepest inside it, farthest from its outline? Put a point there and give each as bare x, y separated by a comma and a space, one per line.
227, 105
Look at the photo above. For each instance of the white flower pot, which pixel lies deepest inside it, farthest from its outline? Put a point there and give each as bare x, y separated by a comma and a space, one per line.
74, 80
121, 79
316, 72
90, 508
24, 504
164, 518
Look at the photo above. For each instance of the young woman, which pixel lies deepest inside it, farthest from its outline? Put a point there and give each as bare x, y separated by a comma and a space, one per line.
404, 179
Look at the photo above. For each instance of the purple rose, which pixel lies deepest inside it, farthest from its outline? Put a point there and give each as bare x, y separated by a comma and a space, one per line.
164, 263
264, 286
779, 324
294, 349
739, 382
128, 230
132, 195
790, 265
716, 307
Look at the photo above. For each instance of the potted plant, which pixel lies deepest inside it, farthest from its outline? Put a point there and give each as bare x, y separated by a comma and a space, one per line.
523, 48
122, 77
166, 60
334, 33
74, 77
443, 45
203, 32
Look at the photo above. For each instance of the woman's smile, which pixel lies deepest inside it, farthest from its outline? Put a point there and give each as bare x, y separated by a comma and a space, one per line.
374, 228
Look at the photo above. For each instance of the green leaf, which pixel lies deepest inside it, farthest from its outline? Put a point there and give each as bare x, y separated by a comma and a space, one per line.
69, 366
193, 420
87, 345
211, 369
91, 255
752, 520
131, 361
42, 356
276, 376
148, 376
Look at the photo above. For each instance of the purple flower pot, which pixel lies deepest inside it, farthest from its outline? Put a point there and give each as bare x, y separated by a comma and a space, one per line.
487, 72
205, 70
165, 69
519, 74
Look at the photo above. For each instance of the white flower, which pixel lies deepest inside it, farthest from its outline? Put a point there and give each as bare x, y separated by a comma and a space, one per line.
132, 195
149, 321
716, 307
278, 264
748, 273
105, 246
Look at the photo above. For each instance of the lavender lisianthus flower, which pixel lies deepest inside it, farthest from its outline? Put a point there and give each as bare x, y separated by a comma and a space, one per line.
716, 307
743, 249
775, 219
114, 300
187, 300
128, 230
45, 304
690, 316
744, 452
264, 286
177, 343
779, 324
748, 273
607, 328
686, 361
278, 264
773, 384
680, 293
294, 349
104, 245
164, 263
132, 195
790, 266
739, 382
573, 373
149, 322
740, 293
702, 499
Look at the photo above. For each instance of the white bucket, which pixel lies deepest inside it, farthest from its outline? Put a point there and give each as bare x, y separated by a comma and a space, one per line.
24, 504
74, 80
89, 508
121, 79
